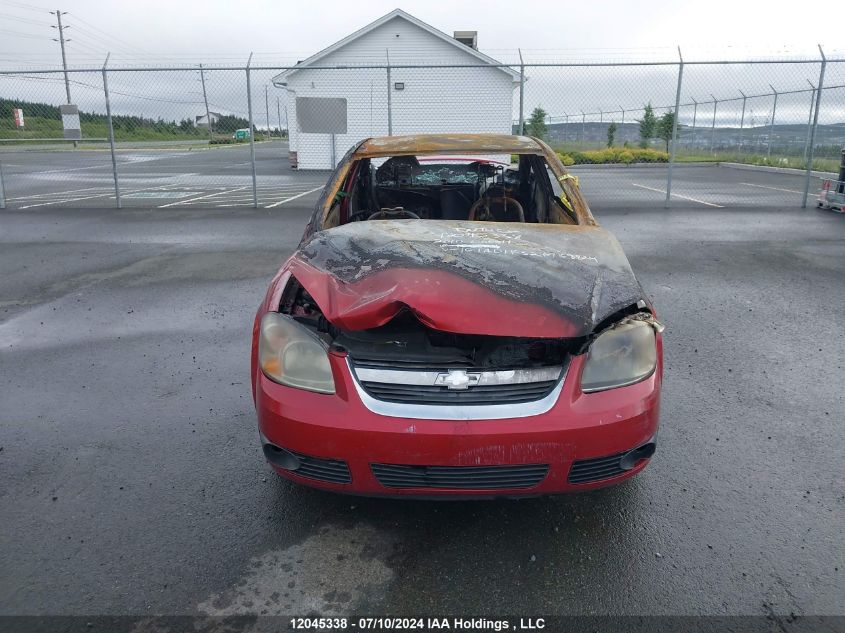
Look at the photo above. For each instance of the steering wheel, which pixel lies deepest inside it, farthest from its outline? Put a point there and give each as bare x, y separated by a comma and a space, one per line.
481, 207
394, 213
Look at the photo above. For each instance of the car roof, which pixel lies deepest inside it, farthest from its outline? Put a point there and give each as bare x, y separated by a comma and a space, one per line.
422, 144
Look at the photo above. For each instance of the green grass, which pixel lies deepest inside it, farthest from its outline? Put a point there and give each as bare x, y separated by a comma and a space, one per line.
43, 128
792, 162
593, 153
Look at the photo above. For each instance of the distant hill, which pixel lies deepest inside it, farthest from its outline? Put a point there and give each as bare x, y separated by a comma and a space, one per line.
790, 137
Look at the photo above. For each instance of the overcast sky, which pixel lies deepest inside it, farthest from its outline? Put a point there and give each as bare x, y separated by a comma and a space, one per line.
223, 32
282, 32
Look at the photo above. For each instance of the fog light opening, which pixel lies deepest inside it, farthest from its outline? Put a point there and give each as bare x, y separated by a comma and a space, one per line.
631, 458
278, 456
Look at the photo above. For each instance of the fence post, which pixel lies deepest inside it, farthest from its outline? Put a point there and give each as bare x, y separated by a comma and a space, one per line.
207, 112
772, 123
583, 125
675, 126
111, 131
742, 120
2, 189
251, 132
812, 142
389, 96
521, 94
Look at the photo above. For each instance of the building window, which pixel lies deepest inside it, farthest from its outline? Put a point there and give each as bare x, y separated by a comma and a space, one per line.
399, 85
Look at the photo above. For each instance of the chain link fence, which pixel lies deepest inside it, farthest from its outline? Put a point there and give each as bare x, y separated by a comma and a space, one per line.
688, 133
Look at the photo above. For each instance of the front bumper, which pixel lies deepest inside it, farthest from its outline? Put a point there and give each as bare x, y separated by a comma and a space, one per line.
579, 427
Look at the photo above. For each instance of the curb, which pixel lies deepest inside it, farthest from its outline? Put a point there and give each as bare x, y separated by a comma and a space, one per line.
778, 170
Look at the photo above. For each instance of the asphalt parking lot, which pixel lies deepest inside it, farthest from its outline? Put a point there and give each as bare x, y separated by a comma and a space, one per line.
133, 482
221, 177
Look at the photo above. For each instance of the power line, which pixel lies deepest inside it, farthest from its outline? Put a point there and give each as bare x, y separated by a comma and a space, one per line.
32, 36
108, 35
21, 5
9, 16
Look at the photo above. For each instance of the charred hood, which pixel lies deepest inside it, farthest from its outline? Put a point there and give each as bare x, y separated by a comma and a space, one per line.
503, 279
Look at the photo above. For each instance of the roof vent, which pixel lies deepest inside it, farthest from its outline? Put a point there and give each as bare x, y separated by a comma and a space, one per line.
470, 38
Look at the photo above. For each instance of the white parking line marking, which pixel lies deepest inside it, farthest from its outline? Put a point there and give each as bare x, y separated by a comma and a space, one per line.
304, 193
52, 194
65, 200
208, 195
677, 195
101, 195
751, 184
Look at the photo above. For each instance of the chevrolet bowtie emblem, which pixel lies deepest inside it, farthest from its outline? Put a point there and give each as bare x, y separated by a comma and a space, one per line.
457, 380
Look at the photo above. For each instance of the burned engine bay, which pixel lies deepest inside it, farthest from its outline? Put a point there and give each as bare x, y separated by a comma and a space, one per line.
406, 343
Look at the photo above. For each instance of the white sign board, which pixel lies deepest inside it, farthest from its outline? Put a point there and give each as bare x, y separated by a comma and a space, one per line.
70, 122
321, 115
18, 117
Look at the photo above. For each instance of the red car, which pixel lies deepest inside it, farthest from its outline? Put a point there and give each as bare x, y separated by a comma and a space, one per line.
455, 323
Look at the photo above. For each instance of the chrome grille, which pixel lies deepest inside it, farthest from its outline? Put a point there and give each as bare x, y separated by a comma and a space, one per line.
450, 386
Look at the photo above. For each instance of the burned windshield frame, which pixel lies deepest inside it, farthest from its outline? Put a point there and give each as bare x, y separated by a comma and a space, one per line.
471, 188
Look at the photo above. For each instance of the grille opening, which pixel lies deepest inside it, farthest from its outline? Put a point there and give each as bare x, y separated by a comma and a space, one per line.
460, 477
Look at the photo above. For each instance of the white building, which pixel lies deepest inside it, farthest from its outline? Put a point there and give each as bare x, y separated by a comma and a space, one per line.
201, 120
408, 101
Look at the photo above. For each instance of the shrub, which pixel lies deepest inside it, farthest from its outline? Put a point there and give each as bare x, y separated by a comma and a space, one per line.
613, 155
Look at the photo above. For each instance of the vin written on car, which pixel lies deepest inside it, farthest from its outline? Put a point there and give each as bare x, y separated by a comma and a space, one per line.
455, 322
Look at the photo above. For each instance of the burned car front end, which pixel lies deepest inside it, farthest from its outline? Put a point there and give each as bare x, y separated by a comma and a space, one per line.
436, 356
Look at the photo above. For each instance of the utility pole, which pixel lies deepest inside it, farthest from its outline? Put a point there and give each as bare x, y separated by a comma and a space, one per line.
694, 117
279, 115
205, 98
61, 41
622, 127
267, 113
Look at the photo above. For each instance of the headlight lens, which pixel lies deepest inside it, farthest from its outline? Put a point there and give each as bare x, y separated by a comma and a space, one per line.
621, 356
291, 355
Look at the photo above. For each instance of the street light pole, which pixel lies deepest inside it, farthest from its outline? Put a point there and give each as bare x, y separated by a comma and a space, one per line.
267, 112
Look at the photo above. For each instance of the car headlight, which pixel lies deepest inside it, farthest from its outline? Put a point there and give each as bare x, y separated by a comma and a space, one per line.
291, 355
620, 356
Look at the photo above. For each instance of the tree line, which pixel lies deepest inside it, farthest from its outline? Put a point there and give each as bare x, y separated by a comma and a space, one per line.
650, 126
121, 122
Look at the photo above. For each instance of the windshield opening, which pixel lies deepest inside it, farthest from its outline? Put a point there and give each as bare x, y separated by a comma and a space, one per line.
509, 188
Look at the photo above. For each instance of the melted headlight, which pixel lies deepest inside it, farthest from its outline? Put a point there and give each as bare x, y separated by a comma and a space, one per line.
291, 355
620, 356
